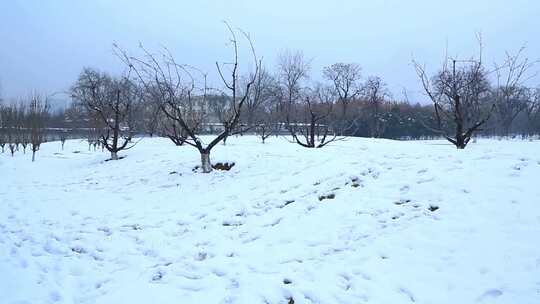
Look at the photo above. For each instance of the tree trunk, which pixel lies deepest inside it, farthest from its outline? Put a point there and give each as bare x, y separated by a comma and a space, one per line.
311, 142
206, 166
460, 142
114, 155
33, 155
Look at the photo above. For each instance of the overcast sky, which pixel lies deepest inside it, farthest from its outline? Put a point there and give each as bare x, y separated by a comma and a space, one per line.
45, 44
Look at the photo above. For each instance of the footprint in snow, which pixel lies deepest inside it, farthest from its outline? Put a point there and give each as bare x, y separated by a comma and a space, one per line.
408, 293
404, 189
425, 180
55, 296
346, 283
490, 294
422, 171
402, 201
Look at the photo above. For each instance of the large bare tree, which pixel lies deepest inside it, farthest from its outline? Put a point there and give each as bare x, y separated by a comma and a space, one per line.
183, 97
457, 92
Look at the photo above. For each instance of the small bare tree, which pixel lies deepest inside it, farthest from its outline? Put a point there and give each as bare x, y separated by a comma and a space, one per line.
457, 91
95, 129
12, 119
305, 111
375, 93
532, 112
112, 100
307, 121
63, 138
24, 140
293, 71
260, 95
149, 116
22, 130
267, 122
345, 79
12, 148
220, 108
38, 113
4, 114
2, 140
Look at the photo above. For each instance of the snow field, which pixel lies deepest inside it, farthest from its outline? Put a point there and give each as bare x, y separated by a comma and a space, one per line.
359, 221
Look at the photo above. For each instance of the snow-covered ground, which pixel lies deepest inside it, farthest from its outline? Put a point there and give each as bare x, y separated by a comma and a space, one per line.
354, 222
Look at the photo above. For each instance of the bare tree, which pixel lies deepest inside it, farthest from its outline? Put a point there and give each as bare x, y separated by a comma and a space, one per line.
262, 105
112, 101
24, 139
345, 79
375, 93
2, 125
510, 95
95, 128
2, 139
532, 112
12, 125
293, 71
63, 138
307, 121
220, 106
456, 92
22, 130
12, 148
38, 113
5, 113
306, 111
183, 100
150, 115
267, 122
261, 93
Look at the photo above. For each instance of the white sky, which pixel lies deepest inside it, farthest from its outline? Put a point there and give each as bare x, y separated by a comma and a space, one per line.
45, 44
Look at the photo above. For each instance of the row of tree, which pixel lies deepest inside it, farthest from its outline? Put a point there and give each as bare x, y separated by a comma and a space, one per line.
157, 95
23, 125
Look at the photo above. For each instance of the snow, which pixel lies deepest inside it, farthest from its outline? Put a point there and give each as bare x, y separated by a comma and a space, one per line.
354, 222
